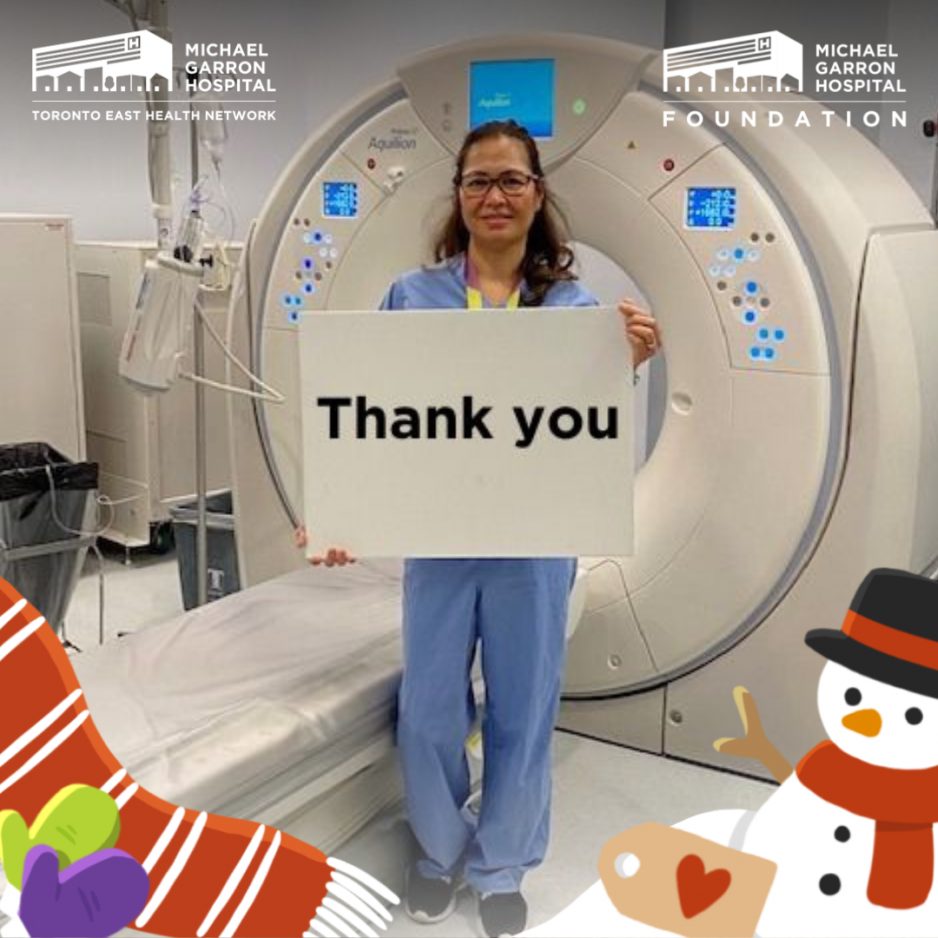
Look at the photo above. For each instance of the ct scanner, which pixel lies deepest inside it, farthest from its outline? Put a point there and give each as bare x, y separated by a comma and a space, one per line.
793, 271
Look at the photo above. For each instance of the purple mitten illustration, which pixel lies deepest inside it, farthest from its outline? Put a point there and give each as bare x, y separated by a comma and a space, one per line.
94, 897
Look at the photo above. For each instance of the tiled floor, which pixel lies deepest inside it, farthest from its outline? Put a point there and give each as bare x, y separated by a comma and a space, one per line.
599, 790
140, 589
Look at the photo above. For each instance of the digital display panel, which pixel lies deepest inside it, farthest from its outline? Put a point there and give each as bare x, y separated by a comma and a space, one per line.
340, 199
521, 90
711, 208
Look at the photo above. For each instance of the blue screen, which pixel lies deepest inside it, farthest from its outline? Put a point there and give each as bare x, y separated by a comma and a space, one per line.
710, 208
522, 90
340, 199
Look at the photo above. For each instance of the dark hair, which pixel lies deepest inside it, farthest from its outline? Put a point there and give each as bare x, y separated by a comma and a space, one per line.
547, 258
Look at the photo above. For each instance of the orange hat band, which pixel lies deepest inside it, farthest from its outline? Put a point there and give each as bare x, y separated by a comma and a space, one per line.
890, 641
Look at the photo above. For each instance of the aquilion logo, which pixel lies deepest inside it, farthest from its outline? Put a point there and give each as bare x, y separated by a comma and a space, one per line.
771, 54
104, 64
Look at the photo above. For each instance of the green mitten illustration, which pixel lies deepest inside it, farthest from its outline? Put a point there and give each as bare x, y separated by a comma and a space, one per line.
14, 842
78, 821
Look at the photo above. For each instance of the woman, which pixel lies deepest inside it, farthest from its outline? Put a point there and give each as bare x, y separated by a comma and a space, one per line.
500, 246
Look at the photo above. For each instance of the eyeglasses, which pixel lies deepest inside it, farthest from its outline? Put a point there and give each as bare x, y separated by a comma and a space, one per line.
478, 185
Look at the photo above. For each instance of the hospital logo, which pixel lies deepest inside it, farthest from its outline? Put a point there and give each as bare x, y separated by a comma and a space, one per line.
121, 63
770, 54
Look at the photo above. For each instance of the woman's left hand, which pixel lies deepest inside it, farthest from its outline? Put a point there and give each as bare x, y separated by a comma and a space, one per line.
641, 329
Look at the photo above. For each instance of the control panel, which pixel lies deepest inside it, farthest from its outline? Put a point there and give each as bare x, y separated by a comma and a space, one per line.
372, 165
752, 264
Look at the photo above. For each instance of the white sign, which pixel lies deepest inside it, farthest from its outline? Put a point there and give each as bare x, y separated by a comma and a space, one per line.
492, 433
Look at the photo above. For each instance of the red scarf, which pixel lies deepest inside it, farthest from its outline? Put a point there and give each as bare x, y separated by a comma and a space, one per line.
904, 804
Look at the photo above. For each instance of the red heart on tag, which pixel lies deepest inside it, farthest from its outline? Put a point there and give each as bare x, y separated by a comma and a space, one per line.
697, 889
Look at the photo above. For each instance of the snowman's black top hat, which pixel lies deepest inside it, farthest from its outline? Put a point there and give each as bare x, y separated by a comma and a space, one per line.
890, 633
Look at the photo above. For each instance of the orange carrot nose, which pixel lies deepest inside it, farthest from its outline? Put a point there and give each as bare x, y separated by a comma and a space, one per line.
864, 722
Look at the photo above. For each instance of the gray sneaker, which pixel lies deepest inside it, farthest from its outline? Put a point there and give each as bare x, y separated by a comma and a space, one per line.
428, 900
503, 914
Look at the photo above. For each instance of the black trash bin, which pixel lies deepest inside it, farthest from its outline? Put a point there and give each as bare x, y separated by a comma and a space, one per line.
222, 548
47, 521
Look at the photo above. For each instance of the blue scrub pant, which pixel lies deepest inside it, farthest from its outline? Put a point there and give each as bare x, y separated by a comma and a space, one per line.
517, 609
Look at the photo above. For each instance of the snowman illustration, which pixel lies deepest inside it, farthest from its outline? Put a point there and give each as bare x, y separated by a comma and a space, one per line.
852, 827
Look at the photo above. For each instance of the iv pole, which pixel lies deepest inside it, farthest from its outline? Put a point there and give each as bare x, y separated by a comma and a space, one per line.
154, 15
198, 369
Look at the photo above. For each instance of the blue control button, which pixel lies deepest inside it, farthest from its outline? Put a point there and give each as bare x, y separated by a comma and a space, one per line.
317, 236
739, 254
768, 353
779, 335
763, 334
293, 317
749, 316
755, 353
752, 287
309, 287
287, 299
308, 263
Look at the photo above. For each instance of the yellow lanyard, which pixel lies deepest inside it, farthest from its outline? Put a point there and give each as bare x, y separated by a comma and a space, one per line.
474, 294
474, 299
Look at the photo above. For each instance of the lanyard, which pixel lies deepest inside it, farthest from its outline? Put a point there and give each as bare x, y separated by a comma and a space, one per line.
474, 298
474, 294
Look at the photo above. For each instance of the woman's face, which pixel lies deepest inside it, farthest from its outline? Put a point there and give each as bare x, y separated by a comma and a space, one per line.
496, 219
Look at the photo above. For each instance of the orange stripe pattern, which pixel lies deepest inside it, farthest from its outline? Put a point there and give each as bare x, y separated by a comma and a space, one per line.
36, 676
890, 641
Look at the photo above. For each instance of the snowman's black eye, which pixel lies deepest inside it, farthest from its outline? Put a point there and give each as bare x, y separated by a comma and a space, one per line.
913, 715
853, 696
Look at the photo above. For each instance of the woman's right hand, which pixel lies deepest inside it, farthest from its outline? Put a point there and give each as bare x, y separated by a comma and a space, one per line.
334, 557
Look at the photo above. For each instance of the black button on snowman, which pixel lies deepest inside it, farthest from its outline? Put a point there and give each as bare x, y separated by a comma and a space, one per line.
830, 883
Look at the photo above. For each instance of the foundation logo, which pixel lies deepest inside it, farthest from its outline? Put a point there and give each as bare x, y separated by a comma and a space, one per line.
773, 62
98, 64
773, 54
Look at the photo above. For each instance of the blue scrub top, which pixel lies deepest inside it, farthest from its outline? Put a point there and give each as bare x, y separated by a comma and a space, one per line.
443, 286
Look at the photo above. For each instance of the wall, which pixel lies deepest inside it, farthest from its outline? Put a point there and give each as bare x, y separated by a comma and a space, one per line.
910, 25
913, 30
320, 56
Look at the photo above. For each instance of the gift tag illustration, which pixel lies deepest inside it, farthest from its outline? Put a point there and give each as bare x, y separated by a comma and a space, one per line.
684, 883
